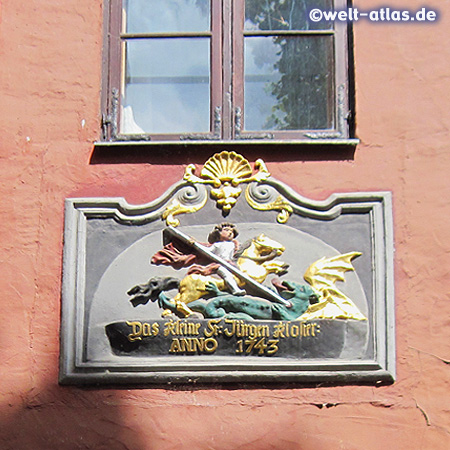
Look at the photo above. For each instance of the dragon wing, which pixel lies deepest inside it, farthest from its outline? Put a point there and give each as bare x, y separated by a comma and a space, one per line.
323, 273
322, 276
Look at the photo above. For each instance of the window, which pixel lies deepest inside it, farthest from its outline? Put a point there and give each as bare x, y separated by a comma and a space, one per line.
224, 70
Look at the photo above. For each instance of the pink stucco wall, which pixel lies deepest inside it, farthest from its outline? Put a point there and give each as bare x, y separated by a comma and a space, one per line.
50, 72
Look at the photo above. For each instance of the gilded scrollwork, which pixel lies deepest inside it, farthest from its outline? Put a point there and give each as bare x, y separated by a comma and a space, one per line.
188, 200
265, 198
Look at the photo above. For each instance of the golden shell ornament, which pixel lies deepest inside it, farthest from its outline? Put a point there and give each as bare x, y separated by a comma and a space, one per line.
226, 166
225, 171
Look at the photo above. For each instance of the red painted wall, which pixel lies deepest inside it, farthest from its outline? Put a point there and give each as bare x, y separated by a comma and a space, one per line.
50, 74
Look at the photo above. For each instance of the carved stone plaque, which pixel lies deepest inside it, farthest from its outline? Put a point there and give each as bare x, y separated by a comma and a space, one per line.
230, 276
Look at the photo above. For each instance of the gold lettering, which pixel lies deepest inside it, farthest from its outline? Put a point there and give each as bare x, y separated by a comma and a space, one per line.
212, 328
226, 331
261, 346
155, 328
263, 331
146, 331
179, 328
303, 329
185, 344
279, 330
199, 344
194, 328
213, 347
192, 345
169, 327
241, 329
287, 329
239, 325
273, 347
175, 346
136, 332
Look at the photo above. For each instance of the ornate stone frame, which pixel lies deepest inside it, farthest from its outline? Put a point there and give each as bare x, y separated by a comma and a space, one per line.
266, 195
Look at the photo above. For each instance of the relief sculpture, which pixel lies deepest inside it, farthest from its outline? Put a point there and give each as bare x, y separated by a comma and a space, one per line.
230, 276
212, 291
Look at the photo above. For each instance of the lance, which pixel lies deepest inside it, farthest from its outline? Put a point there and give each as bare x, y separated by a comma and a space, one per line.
264, 291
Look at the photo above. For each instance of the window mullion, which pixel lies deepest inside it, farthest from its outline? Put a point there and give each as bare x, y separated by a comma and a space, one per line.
227, 68
289, 33
238, 67
110, 117
341, 80
216, 102
192, 34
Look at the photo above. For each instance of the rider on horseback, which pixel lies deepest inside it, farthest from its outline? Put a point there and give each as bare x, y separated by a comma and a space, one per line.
224, 245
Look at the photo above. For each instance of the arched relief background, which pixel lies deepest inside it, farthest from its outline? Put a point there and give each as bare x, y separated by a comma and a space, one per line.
110, 302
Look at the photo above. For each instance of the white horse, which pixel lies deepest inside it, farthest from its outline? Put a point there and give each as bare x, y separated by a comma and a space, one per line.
255, 259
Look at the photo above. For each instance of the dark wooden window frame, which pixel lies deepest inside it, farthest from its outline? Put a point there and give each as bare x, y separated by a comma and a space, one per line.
227, 60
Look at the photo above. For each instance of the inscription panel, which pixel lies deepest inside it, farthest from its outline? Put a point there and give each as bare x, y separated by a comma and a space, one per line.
231, 276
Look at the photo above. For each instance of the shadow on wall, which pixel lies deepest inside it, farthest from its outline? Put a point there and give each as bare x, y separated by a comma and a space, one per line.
65, 418
197, 154
68, 418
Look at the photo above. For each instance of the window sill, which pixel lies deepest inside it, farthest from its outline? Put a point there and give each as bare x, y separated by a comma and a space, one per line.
183, 152
351, 142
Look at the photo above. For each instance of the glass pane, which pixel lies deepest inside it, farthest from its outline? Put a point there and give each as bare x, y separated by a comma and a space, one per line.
284, 14
159, 16
167, 86
288, 83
